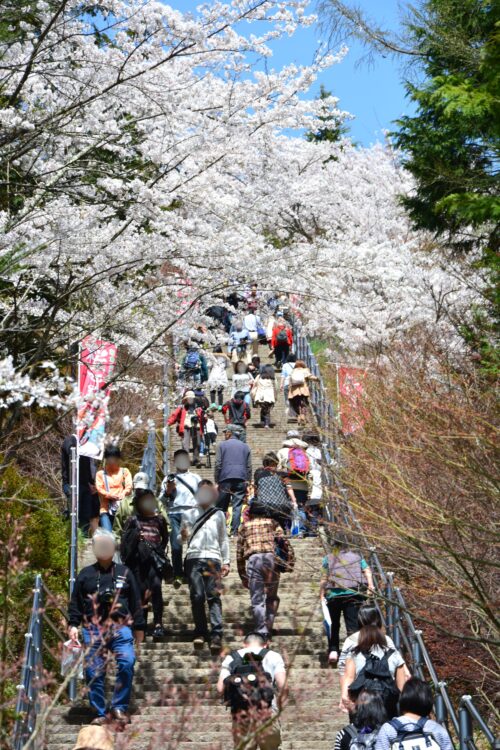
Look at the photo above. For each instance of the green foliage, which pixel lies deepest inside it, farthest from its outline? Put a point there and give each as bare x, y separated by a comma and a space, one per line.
451, 144
43, 541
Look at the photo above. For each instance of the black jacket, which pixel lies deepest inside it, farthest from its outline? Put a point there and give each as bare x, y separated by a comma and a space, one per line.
86, 466
133, 550
94, 585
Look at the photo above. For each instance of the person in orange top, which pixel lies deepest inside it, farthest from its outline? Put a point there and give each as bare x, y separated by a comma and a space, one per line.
113, 483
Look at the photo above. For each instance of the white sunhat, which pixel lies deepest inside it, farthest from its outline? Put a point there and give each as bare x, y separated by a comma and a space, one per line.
141, 481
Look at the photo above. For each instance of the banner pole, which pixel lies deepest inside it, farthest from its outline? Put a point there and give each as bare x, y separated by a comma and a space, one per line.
339, 416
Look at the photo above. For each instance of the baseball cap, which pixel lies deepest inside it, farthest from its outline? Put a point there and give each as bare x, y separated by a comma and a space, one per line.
141, 481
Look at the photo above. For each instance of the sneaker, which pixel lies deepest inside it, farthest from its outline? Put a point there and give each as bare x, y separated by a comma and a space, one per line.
215, 645
198, 641
333, 658
158, 631
177, 582
214, 406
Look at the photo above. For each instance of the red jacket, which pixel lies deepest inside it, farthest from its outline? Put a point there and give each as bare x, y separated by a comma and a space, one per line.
179, 416
276, 330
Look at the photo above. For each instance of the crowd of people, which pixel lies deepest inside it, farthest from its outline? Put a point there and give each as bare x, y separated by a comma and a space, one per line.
257, 511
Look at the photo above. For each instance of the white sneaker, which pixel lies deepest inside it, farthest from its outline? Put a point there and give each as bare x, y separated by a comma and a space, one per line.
333, 657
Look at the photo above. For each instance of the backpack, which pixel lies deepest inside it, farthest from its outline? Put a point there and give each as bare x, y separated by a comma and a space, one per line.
283, 561
271, 496
238, 413
416, 737
361, 740
298, 462
297, 377
192, 361
282, 336
248, 686
376, 676
344, 571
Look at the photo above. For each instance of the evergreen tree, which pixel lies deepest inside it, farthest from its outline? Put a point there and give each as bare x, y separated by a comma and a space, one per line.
333, 127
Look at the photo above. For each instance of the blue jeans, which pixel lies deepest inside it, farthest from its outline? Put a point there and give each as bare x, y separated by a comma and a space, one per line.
106, 521
301, 496
175, 521
248, 399
232, 491
120, 642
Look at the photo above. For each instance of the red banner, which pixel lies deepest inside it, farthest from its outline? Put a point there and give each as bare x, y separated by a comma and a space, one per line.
97, 363
353, 413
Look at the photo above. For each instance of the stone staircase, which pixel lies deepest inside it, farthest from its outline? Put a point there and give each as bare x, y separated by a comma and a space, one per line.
175, 705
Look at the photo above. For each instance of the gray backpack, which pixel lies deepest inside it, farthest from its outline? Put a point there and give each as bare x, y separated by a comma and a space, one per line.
361, 740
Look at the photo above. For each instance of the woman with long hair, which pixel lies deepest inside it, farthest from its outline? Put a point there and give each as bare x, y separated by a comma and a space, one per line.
218, 362
242, 381
392, 672
298, 389
264, 395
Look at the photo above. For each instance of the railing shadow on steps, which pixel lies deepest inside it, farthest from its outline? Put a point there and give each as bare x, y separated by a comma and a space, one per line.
395, 615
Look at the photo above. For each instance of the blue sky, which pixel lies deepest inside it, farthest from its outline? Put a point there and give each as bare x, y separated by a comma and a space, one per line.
375, 95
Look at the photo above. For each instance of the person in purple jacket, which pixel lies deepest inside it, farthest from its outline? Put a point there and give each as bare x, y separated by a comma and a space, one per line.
346, 577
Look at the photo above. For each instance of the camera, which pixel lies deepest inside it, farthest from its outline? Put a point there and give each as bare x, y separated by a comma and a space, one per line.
105, 600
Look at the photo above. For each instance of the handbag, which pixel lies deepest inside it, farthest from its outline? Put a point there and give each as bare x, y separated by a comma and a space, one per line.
160, 561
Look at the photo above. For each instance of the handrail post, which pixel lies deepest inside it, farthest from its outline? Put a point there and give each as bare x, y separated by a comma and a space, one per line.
440, 706
388, 604
166, 432
417, 653
465, 726
396, 635
73, 563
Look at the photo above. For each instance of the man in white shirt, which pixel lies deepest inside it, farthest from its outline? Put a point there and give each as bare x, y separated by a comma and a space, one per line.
261, 726
178, 493
207, 561
253, 324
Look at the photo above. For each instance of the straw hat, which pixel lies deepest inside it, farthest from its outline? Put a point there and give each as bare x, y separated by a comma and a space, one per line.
95, 737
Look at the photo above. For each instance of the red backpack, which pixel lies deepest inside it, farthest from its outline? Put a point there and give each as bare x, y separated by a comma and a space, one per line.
298, 462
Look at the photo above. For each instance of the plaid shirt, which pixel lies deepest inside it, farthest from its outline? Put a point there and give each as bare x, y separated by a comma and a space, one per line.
256, 535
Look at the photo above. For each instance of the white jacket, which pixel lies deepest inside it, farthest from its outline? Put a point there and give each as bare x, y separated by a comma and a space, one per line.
211, 541
263, 391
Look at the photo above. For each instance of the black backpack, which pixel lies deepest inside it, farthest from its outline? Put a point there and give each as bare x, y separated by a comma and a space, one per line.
271, 496
376, 677
248, 687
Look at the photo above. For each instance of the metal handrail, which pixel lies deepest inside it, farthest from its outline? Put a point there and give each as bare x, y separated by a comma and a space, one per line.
28, 703
390, 600
148, 463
